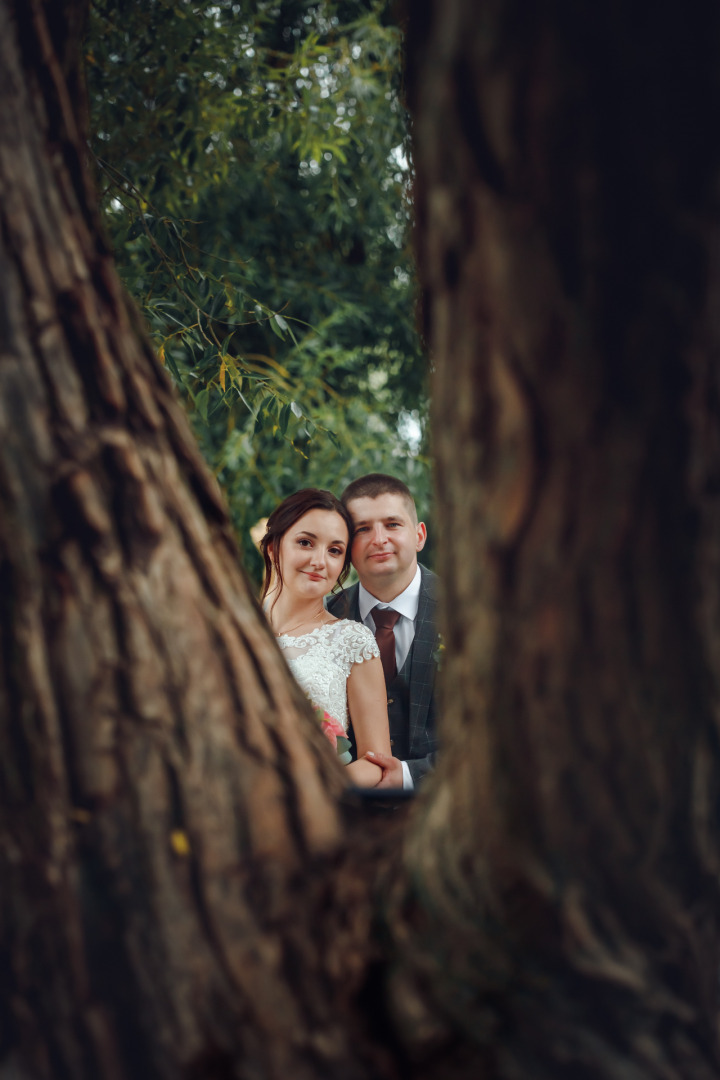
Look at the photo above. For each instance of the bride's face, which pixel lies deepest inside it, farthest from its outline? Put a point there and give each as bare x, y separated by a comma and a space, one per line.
312, 554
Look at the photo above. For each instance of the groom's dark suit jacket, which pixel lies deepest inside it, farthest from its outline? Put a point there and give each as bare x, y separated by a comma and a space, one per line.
411, 695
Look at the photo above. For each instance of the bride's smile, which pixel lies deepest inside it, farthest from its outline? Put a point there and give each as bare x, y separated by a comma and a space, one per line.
312, 552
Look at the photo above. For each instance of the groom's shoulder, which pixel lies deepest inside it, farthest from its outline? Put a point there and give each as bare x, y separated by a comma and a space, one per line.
430, 580
344, 605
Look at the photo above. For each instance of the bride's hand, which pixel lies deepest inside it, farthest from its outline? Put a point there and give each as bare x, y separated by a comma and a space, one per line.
392, 770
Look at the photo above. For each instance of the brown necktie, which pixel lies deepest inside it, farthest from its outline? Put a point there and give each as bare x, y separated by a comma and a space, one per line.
385, 619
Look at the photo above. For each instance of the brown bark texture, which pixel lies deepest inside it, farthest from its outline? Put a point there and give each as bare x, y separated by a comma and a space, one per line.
158, 808
183, 894
567, 219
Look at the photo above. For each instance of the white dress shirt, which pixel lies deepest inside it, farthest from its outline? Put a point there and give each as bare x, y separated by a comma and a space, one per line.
406, 604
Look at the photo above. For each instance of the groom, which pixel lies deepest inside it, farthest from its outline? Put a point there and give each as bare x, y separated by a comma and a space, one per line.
396, 599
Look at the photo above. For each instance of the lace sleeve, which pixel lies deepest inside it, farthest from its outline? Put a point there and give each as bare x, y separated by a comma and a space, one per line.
354, 643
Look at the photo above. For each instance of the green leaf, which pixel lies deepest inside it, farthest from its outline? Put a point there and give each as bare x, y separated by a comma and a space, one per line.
284, 418
217, 406
201, 404
343, 744
278, 326
170, 361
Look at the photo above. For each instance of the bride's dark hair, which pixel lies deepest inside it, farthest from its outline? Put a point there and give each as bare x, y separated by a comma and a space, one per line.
284, 517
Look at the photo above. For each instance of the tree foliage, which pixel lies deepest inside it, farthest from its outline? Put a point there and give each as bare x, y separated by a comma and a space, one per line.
254, 171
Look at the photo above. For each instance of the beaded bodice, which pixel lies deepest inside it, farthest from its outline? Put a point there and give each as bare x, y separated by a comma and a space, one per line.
322, 660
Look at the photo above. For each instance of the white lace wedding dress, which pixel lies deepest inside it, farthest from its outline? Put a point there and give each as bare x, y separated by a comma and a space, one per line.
322, 660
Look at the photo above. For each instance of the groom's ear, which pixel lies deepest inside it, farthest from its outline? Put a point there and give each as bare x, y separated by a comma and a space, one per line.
421, 536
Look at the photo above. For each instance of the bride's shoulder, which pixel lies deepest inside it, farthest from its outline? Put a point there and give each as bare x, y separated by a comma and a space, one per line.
356, 638
349, 626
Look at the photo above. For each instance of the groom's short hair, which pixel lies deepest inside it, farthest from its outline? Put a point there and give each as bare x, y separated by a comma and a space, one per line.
375, 484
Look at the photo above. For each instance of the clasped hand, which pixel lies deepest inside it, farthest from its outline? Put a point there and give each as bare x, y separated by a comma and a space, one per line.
392, 770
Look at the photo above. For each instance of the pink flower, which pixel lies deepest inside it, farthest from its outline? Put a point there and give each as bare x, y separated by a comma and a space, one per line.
332, 729
336, 734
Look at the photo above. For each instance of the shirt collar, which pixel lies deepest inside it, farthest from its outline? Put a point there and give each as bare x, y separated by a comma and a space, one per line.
406, 603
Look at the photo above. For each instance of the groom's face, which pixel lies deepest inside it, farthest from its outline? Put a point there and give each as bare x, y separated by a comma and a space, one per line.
386, 541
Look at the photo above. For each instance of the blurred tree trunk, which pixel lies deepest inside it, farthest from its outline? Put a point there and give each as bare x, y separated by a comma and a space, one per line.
156, 799
567, 201
182, 893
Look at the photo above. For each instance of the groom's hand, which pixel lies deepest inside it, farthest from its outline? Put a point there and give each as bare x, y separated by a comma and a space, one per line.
392, 770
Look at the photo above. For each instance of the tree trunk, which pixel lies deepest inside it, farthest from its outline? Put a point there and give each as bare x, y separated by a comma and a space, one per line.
567, 171
184, 892
157, 801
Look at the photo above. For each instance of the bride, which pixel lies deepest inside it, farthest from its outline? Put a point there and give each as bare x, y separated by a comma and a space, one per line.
306, 549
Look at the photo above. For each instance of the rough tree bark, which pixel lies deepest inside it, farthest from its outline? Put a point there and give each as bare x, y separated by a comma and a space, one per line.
568, 230
182, 893
156, 800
